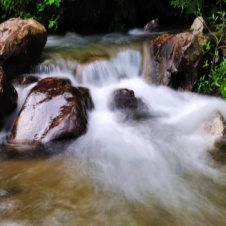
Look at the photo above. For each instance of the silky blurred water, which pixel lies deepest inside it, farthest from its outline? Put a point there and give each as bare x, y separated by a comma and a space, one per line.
124, 171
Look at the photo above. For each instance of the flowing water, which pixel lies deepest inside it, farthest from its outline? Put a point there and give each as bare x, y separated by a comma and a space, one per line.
123, 172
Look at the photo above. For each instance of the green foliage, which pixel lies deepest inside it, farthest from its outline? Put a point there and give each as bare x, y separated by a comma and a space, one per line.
189, 6
213, 82
27, 9
90, 16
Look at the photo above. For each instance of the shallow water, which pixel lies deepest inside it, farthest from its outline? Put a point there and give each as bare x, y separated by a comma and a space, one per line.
123, 172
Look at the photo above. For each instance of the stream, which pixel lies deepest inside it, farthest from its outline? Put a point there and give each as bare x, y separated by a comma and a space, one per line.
155, 171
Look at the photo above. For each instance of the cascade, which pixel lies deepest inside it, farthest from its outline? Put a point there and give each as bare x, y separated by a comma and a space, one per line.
123, 171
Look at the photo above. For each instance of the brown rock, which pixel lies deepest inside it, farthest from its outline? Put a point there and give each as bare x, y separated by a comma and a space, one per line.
21, 43
125, 101
86, 97
53, 110
25, 149
175, 60
8, 96
24, 80
152, 26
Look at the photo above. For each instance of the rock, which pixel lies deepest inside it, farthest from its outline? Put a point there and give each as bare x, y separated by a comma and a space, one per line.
176, 60
6, 193
86, 96
218, 152
24, 149
151, 26
8, 96
125, 101
214, 125
21, 43
25, 80
198, 26
53, 109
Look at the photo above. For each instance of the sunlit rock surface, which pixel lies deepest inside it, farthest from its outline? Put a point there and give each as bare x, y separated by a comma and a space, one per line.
214, 125
175, 60
21, 43
53, 109
198, 26
8, 96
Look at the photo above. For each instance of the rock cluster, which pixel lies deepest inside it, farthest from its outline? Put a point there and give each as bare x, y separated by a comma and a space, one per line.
55, 109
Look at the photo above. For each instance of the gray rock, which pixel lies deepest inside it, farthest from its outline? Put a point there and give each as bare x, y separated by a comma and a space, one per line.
198, 26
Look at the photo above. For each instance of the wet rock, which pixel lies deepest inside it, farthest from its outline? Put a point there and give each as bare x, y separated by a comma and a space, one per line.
218, 152
25, 80
214, 125
176, 60
125, 101
21, 43
86, 97
24, 149
7, 193
198, 26
53, 110
8, 96
152, 26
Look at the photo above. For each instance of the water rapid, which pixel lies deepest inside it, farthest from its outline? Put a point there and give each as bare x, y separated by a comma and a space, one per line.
153, 171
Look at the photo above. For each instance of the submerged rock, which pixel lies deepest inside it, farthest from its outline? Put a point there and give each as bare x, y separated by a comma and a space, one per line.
53, 109
21, 43
125, 101
7, 193
8, 96
27, 148
176, 60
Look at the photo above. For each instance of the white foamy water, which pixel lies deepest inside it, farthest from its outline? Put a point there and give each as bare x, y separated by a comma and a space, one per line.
151, 158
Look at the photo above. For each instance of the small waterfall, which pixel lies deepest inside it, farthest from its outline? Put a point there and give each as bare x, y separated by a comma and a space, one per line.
56, 65
99, 73
127, 64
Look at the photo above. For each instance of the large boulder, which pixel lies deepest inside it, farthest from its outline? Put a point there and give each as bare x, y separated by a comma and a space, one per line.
176, 60
54, 109
8, 96
21, 43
